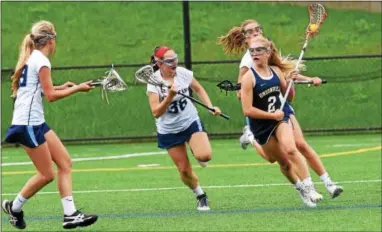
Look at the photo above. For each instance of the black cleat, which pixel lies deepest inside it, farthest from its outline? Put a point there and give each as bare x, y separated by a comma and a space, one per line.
78, 219
202, 202
15, 218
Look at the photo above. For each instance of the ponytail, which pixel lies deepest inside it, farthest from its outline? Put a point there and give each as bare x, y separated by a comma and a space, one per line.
26, 49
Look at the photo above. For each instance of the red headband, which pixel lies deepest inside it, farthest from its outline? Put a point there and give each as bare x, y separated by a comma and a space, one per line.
161, 51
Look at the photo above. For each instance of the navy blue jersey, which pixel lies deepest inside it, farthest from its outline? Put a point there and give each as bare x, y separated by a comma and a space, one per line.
266, 92
266, 97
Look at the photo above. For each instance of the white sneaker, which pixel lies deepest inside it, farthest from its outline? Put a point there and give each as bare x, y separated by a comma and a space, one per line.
333, 189
304, 194
314, 195
244, 138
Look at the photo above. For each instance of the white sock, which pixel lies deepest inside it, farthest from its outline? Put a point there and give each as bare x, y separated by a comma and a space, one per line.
68, 205
198, 191
298, 185
307, 181
325, 178
18, 203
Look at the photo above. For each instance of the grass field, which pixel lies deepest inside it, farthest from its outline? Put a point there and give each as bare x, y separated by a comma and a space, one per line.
245, 192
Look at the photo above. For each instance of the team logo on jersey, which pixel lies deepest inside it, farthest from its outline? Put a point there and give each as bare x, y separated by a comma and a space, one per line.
269, 90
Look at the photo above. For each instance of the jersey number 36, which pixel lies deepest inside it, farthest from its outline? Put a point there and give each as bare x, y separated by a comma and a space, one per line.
177, 106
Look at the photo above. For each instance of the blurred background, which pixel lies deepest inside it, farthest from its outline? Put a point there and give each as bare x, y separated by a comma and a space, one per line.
94, 35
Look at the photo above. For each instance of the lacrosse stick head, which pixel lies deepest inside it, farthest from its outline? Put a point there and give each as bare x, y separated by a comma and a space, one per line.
227, 85
317, 15
110, 82
146, 75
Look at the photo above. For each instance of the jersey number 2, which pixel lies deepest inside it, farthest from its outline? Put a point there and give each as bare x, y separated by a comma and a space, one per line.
271, 104
177, 106
23, 77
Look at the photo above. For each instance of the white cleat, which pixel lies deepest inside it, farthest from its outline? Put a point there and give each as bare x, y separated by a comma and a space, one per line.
305, 196
334, 190
244, 138
314, 195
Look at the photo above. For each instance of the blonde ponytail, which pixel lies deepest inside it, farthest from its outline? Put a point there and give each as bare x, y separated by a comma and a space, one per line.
26, 49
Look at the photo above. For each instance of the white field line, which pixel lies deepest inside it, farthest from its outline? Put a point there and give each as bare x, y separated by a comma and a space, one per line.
96, 158
354, 144
205, 187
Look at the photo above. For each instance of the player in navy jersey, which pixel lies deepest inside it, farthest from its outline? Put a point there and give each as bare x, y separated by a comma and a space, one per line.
177, 119
262, 87
237, 40
31, 81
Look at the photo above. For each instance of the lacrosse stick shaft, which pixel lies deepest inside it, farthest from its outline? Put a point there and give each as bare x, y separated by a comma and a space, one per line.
324, 81
283, 99
202, 104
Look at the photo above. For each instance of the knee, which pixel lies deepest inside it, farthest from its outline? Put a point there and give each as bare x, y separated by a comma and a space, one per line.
65, 167
291, 150
184, 170
47, 177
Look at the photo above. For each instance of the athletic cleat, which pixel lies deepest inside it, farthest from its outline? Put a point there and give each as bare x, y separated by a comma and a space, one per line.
15, 218
202, 202
244, 138
314, 195
304, 194
78, 219
334, 190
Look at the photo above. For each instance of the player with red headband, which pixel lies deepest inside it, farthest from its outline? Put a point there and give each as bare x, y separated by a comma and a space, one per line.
177, 119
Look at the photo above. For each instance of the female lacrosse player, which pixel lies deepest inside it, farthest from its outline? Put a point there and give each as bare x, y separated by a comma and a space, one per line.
177, 119
31, 81
261, 89
237, 40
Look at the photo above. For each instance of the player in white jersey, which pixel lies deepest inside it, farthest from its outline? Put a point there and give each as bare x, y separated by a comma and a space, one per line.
177, 119
31, 81
237, 40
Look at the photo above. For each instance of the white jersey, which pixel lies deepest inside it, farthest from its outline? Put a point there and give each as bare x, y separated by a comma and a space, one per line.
246, 61
181, 113
28, 108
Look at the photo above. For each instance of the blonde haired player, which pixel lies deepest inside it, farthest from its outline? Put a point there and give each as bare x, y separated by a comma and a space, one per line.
236, 40
31, 81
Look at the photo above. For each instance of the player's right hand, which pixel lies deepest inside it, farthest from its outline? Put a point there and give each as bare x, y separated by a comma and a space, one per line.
85, 87
278, 115
173, 91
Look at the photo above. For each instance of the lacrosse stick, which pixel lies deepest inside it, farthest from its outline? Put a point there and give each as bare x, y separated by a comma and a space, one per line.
111, 82
146, 75
317, 16
227, 85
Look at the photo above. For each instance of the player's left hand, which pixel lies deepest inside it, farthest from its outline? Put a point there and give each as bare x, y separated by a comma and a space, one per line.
217, 111
316, 81
292, 75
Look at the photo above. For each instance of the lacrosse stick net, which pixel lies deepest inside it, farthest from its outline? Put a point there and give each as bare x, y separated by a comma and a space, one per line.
111, 82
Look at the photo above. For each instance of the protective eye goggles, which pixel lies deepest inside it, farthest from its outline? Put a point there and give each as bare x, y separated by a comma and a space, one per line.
247, 33
170, 61
258, 50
